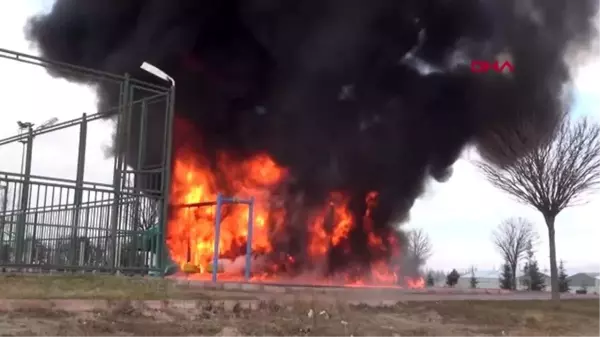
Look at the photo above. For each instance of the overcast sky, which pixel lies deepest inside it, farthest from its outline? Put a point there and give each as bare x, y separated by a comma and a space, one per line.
459, 215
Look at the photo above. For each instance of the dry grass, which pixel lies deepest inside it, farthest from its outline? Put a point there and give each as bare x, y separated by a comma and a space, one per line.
86, 286
524, 317
108, 287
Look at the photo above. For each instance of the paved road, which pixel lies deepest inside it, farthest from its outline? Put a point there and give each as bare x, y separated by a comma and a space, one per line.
459, 296
443, 295
387, 295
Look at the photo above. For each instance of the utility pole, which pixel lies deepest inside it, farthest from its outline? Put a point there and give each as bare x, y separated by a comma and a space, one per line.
23, 127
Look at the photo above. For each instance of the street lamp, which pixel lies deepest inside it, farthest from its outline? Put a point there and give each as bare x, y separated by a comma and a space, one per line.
157, 72
25, 127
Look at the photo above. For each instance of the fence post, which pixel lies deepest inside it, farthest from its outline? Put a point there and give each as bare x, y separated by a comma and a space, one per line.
140, 229
161, 251
78, 189
3, 212
34, 235
118, 170
24, 204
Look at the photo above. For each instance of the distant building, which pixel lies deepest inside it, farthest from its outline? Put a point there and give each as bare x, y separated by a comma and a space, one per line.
589, 281
490, 279
486, 279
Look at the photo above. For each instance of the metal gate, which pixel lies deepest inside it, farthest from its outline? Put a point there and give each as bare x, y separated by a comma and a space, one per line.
56, 224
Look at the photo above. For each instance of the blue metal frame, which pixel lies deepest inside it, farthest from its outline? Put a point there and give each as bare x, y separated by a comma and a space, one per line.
221, 200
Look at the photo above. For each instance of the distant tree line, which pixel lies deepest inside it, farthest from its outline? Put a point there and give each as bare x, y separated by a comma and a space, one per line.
558, 174
515, 239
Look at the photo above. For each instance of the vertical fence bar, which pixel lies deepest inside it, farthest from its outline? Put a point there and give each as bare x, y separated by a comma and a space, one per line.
34, 235
138, 210
138, 175
78, 190
142, 139
166, 181
124, 200
217, 237
24, 204
249, 239
3, 219
118, 169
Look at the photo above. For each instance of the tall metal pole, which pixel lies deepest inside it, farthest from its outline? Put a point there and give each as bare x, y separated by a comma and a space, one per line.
23, 127
249, 239
124, 101
166, 173
166, 180
217, 237
24, 144
22, 218
4, 205
161, 251
78, 191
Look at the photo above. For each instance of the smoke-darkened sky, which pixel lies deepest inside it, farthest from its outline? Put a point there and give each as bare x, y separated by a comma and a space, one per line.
330, 87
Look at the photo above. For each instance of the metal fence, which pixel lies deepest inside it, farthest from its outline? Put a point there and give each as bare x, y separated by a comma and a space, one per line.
56, 224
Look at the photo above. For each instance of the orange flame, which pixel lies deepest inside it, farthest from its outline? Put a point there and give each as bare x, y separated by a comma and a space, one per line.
191, 228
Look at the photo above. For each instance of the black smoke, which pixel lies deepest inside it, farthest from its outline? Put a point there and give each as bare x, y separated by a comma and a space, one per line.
354, 95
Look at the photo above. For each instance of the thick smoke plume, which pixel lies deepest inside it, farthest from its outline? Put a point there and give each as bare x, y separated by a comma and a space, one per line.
352, 95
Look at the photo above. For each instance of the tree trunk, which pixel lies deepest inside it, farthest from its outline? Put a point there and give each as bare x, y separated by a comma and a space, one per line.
513, 281
553, 268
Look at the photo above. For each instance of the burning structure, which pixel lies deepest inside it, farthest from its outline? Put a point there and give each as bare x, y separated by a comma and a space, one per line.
331, 114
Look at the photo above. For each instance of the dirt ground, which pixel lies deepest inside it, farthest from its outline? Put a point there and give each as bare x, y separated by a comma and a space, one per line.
308, 317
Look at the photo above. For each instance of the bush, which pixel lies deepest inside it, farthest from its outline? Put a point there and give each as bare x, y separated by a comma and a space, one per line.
506, 278
452, 278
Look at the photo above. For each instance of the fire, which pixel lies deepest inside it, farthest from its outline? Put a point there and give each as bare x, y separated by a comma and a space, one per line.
321, 241
191, 228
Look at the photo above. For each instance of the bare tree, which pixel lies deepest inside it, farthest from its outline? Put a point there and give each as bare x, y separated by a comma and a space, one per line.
438, 276
143, 210
419, 247
144, 213
558, 174
512, 238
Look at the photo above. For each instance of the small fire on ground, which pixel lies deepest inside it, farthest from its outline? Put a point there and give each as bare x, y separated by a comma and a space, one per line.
280, 252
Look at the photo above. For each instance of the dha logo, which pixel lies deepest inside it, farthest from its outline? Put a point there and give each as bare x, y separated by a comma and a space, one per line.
481, 66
